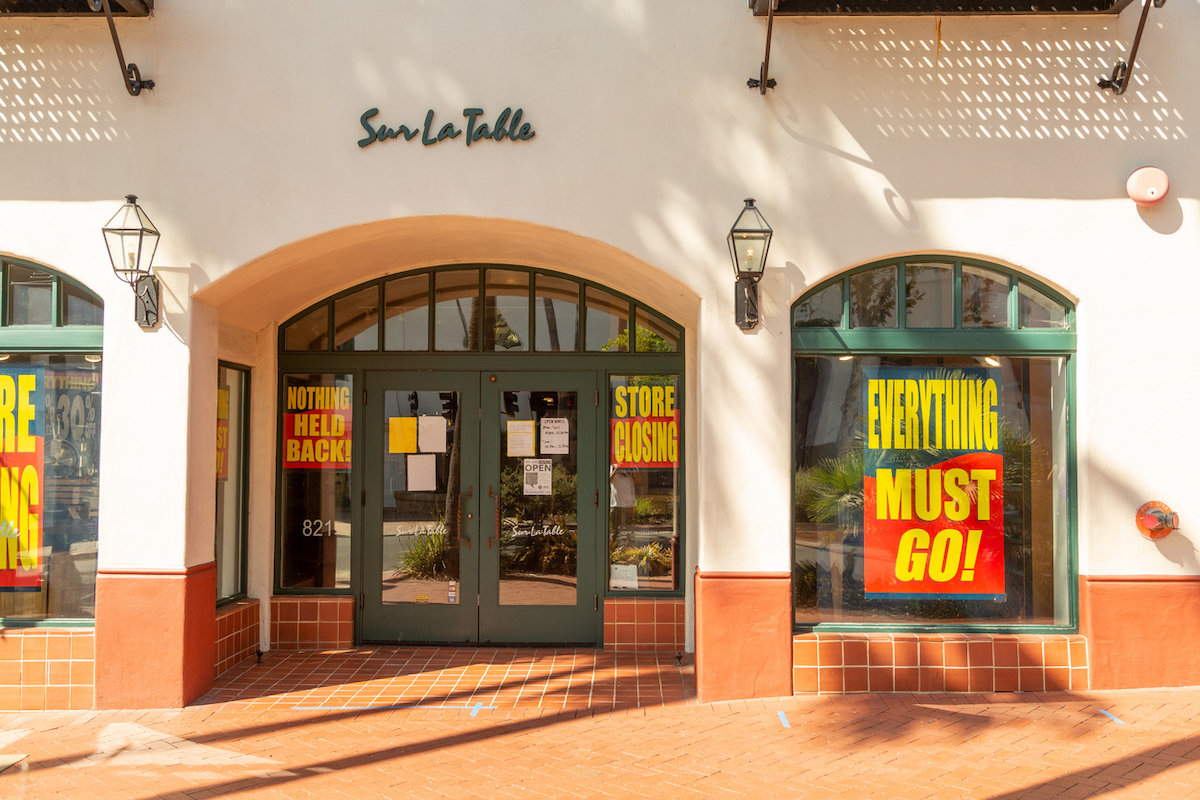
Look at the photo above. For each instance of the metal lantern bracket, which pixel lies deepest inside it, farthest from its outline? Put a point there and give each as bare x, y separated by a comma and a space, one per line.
764, 81
745, 303
145, 308
134, 83
1123, 71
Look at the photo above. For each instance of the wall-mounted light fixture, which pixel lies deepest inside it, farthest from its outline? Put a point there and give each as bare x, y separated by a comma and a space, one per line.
748, 240
132, 239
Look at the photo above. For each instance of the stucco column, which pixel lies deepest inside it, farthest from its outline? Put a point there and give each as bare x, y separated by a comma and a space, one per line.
743, 579
156, 583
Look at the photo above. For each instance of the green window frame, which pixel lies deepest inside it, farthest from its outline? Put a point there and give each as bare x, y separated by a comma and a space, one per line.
236, 443
49, 316
313, 341
839, 320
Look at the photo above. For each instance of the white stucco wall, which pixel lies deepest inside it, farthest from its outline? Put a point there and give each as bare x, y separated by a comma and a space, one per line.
880, 139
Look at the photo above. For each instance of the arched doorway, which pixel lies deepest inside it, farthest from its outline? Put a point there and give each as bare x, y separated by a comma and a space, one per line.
479, 453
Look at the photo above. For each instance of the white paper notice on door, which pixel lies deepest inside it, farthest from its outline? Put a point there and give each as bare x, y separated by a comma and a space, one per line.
431, 434
537, 477
556, 436
422, 473
520, 438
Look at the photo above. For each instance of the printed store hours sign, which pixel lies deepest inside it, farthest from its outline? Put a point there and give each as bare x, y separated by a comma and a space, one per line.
316, 427
645, 427
22, 476
933, 484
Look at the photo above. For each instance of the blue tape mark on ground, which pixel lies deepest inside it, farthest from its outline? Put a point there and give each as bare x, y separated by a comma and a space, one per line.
1110, 716
475, 709
783, 718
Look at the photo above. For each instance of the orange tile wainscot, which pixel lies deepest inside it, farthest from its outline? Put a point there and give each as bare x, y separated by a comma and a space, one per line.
312, 623
237, 633
47, 669
932, 662
644, 624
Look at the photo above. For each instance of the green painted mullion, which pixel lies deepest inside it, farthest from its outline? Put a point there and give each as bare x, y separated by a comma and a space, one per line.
845, 303
958, 313
902, 295
885, 627
993, 341
39, 339
1072, 496
430, 304
531, 316
49, 622
379, 316
1014, 303
481, 313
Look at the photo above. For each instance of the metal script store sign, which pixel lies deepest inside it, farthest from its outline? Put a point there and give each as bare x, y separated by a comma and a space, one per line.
933, 484
22, 474
507, 125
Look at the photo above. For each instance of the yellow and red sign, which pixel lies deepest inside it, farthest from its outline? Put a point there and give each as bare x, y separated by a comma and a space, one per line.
22, 476
316, 427
645, 427
933, 484
222, 434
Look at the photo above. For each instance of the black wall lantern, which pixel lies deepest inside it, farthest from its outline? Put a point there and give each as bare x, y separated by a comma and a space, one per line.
132, 239
748, 239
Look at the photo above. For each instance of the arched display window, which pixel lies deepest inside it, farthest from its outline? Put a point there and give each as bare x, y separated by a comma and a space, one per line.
51, 338
933, 452
480, 453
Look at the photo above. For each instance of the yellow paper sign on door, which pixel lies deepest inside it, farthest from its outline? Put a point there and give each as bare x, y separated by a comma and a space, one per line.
402, 434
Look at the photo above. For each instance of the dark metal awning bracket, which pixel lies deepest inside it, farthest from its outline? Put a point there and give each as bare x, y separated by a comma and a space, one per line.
1123, 71
764, 81
134, 83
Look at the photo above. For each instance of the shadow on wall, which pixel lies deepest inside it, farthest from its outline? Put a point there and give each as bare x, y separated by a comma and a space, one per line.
55, 90
1176, 548
60, 89
1026, 90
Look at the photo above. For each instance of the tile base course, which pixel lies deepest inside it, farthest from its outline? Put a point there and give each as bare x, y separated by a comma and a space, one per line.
312, 623
931, 662
237, 633
644, 624
47, 669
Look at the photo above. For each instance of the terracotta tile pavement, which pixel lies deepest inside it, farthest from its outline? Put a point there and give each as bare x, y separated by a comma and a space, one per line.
483, 677
252, 737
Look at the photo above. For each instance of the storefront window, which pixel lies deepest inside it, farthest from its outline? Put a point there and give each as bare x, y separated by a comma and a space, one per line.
49, 481
314, 535
921, 491
933, 487
233, 384
643, 505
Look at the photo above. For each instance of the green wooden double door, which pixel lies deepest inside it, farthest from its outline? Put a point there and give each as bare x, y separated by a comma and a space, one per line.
482, 520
